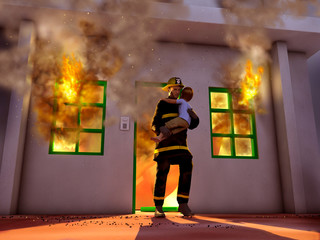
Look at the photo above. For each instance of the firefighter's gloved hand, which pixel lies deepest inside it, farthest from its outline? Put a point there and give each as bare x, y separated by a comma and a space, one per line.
165, 131
194, 119
192, 113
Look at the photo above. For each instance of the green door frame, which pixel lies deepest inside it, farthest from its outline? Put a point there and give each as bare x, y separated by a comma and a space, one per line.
137, 84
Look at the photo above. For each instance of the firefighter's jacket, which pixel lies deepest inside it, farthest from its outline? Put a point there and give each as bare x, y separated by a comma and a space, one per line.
175, 145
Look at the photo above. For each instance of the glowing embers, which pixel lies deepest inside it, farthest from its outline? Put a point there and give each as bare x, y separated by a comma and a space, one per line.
232, 125
79, 112
64, 141
250, 84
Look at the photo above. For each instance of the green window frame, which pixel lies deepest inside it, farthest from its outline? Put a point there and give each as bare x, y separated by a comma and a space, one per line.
84, 132
233, 126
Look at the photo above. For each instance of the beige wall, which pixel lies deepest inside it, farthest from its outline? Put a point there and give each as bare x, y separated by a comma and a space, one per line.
205, 3
73, 184
314, 73
103, 184
296, 130
224, 185
4, 108
306, 128
56, 184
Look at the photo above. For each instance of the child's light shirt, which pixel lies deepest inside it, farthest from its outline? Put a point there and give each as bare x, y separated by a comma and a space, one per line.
183, 110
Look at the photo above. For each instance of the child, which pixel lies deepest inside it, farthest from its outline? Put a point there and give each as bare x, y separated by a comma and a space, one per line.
182, 122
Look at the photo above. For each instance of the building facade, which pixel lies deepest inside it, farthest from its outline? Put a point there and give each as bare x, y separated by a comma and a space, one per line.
281, 177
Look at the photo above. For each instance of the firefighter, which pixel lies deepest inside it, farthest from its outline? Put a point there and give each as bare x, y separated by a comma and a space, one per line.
173, 150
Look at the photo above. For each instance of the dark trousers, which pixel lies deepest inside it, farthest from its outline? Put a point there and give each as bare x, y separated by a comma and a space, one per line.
163, 167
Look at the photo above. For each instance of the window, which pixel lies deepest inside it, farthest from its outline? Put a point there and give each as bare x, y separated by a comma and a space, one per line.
233, 130
78, 126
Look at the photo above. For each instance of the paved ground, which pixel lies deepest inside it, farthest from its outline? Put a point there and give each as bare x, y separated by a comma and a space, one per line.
145, 226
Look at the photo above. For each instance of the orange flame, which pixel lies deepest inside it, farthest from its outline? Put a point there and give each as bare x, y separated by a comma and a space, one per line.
72, 75
146, 168
58, 80
250, 84
68, 91
65, 142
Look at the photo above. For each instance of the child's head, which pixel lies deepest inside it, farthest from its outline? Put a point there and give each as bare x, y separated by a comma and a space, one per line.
187, 93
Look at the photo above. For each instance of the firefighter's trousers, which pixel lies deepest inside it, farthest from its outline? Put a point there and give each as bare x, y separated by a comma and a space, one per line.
163, 167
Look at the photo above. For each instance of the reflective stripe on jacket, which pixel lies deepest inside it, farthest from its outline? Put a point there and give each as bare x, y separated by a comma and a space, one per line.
175, 144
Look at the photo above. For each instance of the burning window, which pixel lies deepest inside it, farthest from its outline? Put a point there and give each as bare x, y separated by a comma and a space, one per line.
233, 131
79, 113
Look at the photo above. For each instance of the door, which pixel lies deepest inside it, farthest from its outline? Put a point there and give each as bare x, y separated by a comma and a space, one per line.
148, 95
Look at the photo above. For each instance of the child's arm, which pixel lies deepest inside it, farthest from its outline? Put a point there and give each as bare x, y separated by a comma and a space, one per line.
168, 100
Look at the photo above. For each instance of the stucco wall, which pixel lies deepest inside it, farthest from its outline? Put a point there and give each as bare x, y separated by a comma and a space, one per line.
4, 98
306, 125
57, 184
4, 108
103, 184
206, 3
314, 76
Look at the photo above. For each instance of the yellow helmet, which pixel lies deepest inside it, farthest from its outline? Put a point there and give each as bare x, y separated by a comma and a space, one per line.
172, 82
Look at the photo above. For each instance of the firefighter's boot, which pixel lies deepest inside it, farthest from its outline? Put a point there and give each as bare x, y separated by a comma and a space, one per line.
159, 212
185, 210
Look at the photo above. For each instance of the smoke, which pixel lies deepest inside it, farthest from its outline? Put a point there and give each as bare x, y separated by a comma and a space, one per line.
247, 21
111, 38
12, 57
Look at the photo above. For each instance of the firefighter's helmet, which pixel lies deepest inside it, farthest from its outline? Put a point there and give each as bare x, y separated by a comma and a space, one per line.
174, 81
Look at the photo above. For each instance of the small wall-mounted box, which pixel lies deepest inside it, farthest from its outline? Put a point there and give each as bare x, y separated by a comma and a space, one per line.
124, 123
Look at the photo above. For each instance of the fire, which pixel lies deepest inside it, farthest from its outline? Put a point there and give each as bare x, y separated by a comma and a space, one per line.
146, 168
64, 142
71, 81
62, 85
250, 84
68, 92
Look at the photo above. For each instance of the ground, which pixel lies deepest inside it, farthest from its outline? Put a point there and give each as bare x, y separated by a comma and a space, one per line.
174, 226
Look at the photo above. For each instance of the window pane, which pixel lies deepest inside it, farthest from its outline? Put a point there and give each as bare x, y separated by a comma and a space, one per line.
221, 123
91, 117
64, 141
243, 147
92, 93
219, 100
67, 116
90, 142
236, 102
221, 146
242, 124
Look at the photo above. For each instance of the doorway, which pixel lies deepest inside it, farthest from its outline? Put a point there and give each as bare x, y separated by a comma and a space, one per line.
147, 97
